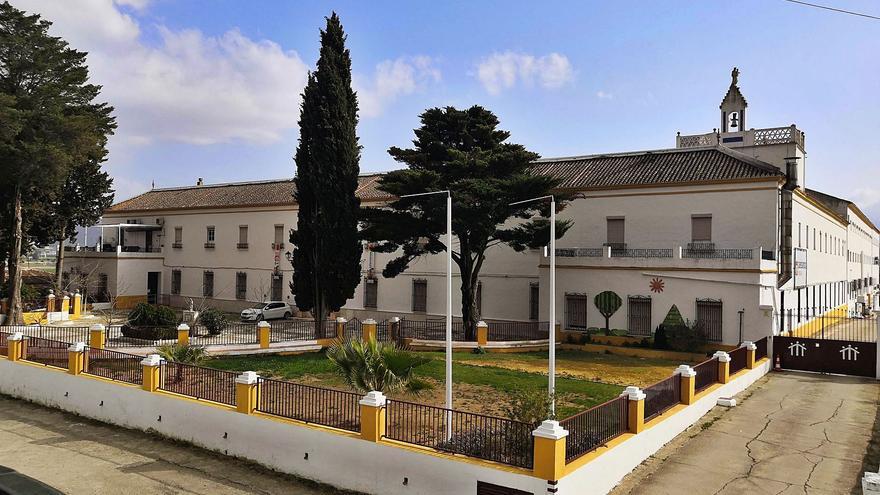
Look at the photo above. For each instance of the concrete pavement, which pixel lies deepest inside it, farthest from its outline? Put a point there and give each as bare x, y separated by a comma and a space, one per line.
792, 433
80, 456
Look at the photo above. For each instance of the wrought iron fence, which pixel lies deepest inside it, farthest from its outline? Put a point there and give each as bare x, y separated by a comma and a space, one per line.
115, 339
431, 330
47, 352
4, 346
292, 330
198, 382
322, 406
827, 323
707, 374
114, 365
228, 334
661, 396
719, 254
486, 437
500, 331
641, 252
737, 359
594, 427
580, 252
761, 351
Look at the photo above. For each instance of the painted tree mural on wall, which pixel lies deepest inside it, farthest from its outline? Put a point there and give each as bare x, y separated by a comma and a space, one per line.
607, 302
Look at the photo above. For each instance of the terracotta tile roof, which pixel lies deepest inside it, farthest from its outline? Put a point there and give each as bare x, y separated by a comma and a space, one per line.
660, 167
231, 195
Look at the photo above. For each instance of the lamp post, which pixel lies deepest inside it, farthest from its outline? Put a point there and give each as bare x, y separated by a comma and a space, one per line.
448, 290
551, 382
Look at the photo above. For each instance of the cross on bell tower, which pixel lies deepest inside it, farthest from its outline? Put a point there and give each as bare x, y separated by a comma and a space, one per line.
733, 106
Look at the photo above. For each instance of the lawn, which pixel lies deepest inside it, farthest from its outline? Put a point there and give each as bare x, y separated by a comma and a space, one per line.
484, 382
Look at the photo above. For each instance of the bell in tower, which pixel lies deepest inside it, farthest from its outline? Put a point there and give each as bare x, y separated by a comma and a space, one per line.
733, 106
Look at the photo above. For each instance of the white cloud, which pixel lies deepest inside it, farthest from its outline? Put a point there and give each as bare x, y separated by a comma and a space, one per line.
603, 95
393, 78
189, 87
866, 197
505, 70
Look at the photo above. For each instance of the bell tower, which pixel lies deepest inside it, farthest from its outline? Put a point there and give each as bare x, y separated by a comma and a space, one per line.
733, 106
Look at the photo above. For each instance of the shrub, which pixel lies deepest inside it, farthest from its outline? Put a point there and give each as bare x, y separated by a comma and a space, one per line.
478, 350
381, 366
183, 353
585, 338
530, 406
213, 320
149, 315
149, 333
660, 341
687, 337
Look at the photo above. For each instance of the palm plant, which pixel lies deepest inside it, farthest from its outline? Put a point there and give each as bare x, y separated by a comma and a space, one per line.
184, 354
380, 366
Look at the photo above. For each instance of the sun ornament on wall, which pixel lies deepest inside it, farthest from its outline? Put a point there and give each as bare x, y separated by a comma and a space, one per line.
657, 285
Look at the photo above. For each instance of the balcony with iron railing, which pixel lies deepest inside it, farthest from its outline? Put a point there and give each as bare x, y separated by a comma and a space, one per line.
751, 137
706, 255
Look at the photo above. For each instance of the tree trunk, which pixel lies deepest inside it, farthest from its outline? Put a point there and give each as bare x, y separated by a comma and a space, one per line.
59, 266
468, 304
15, 263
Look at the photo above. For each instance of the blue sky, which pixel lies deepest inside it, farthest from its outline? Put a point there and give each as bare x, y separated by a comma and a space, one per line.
211, 88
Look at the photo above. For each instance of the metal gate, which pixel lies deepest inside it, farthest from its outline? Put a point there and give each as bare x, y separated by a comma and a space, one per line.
844, 357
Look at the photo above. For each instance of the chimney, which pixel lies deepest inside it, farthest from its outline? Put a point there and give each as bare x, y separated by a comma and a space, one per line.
200, 182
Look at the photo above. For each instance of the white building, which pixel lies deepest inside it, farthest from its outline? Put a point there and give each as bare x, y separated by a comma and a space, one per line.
715, 226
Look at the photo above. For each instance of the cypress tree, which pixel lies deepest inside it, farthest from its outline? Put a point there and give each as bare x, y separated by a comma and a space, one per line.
327, 247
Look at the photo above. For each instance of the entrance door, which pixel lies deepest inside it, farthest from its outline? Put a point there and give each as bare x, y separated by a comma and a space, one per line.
152, 287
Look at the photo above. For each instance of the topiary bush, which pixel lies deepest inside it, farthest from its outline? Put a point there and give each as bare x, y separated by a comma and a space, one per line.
151, 322
213, 320
149, 333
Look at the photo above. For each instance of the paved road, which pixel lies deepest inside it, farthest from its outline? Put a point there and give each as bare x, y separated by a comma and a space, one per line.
79, 456
793, 433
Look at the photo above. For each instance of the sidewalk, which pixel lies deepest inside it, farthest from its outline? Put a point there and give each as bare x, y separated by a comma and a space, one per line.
792, 433
80, 457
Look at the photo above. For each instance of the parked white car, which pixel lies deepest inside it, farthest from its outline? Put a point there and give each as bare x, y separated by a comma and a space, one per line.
271, 310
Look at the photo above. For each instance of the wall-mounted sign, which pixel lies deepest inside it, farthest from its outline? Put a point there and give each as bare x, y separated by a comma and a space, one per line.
800, 267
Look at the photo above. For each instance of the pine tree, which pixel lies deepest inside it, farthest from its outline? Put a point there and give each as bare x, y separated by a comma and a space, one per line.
327, 247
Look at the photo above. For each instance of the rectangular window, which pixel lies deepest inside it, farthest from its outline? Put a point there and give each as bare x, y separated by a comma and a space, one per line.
371, 293
208, 284
799, 235
241, 285
576, 311
176, 278
242, 237
419, 295
278, 244
616, 231
709, 318
534, 293
209, 237
178, 237
701, 228
277, 287
639, 316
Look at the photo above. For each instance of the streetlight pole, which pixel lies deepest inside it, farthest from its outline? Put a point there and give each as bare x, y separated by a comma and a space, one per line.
551, 381
448, 290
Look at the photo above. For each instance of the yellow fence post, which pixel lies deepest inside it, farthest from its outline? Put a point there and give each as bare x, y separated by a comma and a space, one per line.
246, 385
560, 338
65, 304
723, 366
369, 329
750, 353
395, 328
50, 302
688, 383
264, 333
373, 416
151, 367
76, 358
183, 334
549, 450
77, 306
482, 333
636, 412
340, 327
97, 336
15, 346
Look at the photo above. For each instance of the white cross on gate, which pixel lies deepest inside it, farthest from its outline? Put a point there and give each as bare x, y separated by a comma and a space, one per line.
797, 349
849, 353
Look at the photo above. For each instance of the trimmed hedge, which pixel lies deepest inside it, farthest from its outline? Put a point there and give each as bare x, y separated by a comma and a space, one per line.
149, 333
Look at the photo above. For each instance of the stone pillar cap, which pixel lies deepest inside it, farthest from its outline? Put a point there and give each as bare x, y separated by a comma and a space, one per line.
152, 360
748, 344
247, 378
340, 319
551, 429
369, 321
51, 295
685, 371
77, 347
183, 326
722, 356
374, 399
263, 323
66, 297
634, 393
16, 336
482, 323
97, 327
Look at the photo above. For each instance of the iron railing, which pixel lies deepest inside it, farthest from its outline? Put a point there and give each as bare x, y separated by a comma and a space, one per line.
761, 351
323, 406
114, 365
641, 253
293, 330
507, 331
661, 396
115, 339
4, 346
737, 359
827, 323
228, 334
198, 382
431, 330
47, 352
580, 252
707, 374
476, 435
718, 254
590, 429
